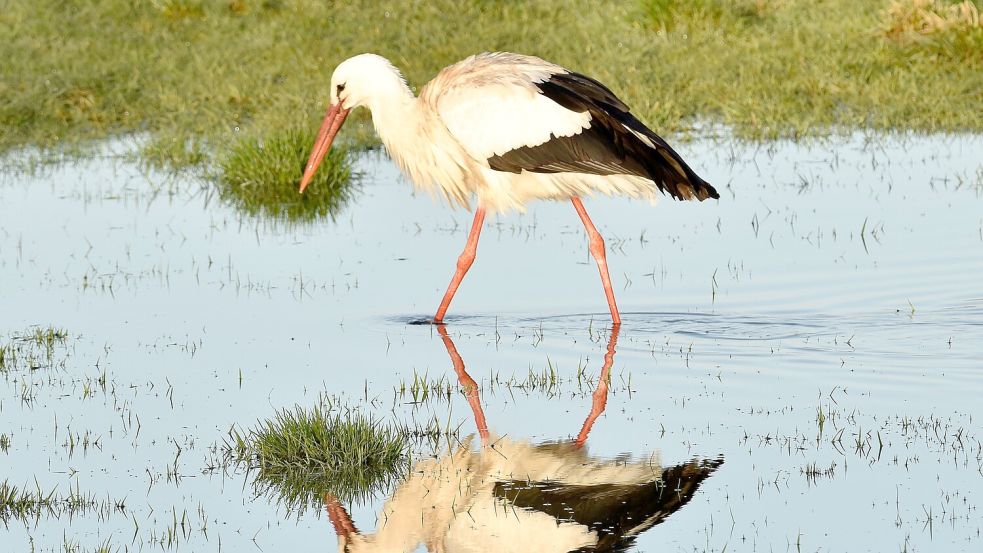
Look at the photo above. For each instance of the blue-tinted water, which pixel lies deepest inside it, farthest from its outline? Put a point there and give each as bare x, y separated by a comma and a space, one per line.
841, 278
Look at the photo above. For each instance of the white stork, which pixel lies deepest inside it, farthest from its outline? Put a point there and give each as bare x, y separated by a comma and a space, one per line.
508, 128
514, 496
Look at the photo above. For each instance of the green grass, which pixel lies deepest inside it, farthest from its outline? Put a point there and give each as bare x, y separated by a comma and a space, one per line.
24, 504
29, 505
45, 337
260, 177
198, 77
674, 14
105, 547
32, 349
301, 454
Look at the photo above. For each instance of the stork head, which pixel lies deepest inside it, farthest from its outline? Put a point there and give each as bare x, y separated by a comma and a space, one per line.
357, 81
362, 78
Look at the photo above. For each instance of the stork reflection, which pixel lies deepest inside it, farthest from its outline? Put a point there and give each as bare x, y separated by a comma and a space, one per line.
512, 495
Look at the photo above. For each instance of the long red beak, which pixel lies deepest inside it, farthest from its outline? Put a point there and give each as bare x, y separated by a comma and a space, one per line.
329, 128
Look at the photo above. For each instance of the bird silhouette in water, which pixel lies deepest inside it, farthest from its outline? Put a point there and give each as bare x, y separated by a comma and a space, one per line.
511, 495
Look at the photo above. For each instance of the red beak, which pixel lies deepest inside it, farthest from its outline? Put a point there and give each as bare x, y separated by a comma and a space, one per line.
329, 128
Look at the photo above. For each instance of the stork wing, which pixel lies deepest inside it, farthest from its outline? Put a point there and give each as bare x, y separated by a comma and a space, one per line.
491, 105
520, 113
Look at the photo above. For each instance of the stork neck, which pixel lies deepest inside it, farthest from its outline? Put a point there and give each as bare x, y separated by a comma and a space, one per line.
397, 121
391, 109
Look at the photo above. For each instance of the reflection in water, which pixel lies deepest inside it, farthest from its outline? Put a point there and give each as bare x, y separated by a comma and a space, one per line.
511, 495
259, 178
301, 454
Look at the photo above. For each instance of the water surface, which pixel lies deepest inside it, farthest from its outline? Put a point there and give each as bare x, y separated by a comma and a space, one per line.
819, 330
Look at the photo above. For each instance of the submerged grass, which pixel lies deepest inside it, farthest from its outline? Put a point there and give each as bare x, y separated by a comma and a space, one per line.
32, 349
300, 454
45, 337
260, 177
24, 504
199, 76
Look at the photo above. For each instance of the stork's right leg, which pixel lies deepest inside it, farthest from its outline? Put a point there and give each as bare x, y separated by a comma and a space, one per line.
596, 246
463, 264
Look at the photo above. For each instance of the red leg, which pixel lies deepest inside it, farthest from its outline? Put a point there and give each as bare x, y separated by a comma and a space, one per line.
597, 250
601, 392
463, 264
467, 383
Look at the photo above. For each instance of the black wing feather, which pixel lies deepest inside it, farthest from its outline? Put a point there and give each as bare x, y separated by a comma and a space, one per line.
607, 147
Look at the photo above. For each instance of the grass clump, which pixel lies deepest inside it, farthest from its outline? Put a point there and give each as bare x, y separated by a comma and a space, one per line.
938, 29
261, 178
25, 505
45, 337
32, 349
22, 504
301, 454
927, 17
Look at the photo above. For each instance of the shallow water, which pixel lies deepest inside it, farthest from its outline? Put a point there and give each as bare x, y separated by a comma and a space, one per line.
841, 278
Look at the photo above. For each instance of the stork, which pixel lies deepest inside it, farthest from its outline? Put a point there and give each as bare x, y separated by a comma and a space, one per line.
504, 129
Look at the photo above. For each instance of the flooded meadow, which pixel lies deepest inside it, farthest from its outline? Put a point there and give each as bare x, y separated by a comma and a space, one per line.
799, 367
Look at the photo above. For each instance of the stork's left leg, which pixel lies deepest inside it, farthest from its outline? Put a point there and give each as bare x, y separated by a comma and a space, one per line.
597, 250
467, 383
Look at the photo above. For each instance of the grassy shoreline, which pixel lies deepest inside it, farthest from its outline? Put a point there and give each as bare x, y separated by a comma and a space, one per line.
201, 76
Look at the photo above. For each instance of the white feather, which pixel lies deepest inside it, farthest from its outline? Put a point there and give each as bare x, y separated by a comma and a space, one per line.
493, 119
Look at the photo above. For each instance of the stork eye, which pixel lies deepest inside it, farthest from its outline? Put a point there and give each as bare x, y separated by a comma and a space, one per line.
341, 88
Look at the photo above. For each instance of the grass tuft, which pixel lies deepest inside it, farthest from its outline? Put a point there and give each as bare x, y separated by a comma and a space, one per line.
260, 177
31, 350
46, 337
29, 505
939, 30
302, 453
927, 17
